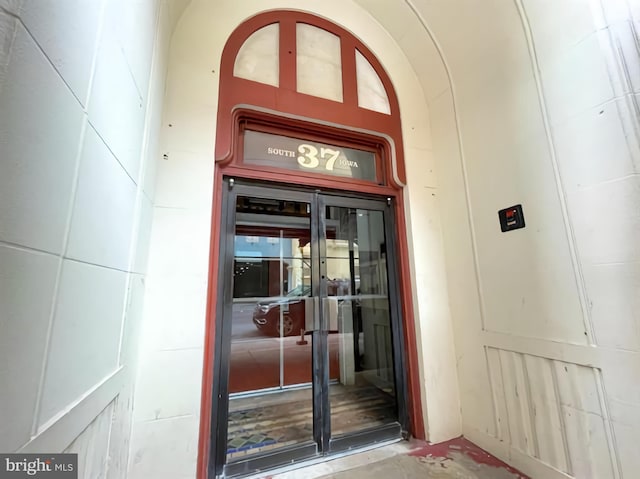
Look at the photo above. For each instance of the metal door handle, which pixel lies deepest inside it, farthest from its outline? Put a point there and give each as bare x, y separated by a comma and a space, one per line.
316, 313
312, 314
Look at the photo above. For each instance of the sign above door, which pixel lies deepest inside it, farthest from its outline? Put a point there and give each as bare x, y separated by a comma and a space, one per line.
297, 154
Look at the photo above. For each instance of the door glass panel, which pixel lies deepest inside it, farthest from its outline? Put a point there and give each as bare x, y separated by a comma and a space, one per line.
277, 330
358, 319
270, 370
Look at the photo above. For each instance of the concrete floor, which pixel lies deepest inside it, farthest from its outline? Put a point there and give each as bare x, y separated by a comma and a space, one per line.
456, 459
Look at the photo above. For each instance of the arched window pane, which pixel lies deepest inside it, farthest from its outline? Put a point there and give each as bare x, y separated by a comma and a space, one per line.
371, 92
257, 59
319, 64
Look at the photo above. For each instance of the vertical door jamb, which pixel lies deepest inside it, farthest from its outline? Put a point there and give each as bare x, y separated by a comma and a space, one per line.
397, 331
224, 309
323, 333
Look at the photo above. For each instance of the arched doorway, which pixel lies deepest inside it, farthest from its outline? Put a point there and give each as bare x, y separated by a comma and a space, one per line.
309, 350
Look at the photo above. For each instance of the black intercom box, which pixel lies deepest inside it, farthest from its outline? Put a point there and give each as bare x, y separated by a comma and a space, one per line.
511, 218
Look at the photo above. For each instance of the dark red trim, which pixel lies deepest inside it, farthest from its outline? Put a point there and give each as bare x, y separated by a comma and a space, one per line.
238, 91
411, 341
209, 332
288, 53
306, 179
349, 75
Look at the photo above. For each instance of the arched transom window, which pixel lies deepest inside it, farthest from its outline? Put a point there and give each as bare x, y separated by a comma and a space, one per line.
297, 64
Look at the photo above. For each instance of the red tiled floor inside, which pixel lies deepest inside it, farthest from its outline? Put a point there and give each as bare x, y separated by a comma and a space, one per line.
255, 363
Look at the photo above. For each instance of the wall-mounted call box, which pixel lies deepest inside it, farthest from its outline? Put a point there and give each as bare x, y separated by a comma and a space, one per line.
511, 218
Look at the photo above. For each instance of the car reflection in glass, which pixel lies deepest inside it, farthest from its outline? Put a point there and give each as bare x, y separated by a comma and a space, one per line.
266, 315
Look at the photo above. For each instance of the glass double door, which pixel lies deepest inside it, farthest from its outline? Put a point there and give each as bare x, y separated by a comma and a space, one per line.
311, 339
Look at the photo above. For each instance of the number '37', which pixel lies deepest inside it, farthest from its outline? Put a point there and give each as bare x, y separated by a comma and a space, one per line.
309, 156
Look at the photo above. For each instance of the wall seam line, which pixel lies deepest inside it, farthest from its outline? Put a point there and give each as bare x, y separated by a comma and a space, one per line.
111, 152
504, 396
564, 209
609, 431
28, 249
563, 425
493, 388
9, 13
51, 64
97, 265
532, 412
465, 176
4, 67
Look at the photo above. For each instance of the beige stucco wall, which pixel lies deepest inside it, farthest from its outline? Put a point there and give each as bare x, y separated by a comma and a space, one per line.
168, 398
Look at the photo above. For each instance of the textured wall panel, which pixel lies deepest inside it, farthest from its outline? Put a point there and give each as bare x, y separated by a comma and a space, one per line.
552, 410
516, 395
91, 446
548, 423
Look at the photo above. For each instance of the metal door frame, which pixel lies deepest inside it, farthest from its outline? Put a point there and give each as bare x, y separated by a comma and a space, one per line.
390, 431
323, 444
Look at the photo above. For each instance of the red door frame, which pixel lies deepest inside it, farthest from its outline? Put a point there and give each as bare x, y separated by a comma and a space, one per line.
283, 108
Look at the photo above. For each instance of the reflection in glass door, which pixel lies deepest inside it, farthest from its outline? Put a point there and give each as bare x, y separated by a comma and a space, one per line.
309, 329
270, 368
353, 263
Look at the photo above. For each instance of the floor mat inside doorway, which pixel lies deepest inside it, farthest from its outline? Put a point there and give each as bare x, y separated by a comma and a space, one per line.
257, 427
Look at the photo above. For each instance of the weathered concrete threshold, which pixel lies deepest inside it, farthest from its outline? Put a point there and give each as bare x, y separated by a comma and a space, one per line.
456, 459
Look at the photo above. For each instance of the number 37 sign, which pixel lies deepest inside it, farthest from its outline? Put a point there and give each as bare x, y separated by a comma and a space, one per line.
295, 154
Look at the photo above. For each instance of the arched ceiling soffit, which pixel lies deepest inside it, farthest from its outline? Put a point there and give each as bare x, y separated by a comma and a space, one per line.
404, 20
416, 77
175, 10
444, 41
453, 42
460, 33
408, 22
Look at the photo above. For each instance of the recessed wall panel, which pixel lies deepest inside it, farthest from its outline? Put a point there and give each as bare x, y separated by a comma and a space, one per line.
27, 281
85, 339
67, 33
38, 148
103, 212
553, 411
92, 445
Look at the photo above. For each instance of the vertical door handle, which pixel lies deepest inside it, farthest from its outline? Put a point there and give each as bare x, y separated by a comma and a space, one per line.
316, 316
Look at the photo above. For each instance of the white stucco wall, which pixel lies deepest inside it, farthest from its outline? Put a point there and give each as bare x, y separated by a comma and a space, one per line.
81, 87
